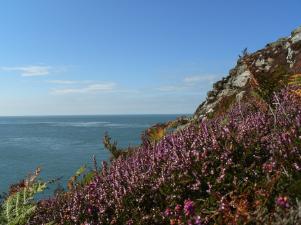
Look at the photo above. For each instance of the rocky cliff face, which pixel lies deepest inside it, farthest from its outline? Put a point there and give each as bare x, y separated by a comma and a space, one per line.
262, 72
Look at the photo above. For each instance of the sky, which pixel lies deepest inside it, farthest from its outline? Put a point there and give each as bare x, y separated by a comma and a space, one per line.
87, 57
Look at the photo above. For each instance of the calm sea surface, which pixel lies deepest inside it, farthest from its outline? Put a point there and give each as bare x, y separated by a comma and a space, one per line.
61, 144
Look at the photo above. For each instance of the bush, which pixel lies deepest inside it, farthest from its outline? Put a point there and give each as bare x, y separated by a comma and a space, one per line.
228, 170
18, 206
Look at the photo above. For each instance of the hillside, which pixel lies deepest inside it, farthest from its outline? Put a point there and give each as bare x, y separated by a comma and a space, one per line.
237, 161
260, 73
264, 71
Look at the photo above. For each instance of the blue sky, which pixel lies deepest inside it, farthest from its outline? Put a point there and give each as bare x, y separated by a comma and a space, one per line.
62, 57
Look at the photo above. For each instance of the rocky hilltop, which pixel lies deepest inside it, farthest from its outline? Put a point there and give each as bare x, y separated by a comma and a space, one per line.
264, 72
256, 75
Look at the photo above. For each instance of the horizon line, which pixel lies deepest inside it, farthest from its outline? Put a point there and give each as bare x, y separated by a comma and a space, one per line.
126, 114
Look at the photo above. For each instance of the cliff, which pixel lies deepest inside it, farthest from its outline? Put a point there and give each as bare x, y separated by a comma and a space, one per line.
262, 72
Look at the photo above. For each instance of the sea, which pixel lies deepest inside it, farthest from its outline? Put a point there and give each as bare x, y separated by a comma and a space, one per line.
62, 144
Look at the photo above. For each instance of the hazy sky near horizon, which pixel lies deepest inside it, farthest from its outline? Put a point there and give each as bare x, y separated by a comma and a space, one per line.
61, 57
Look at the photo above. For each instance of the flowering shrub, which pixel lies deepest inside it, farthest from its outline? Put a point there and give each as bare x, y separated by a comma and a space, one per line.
220, 171
183, 215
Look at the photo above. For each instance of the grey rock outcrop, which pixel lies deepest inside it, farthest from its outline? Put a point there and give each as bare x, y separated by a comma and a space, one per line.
264, 70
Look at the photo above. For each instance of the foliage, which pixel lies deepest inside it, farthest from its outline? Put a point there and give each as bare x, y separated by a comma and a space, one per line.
296, 80
244, 54
282, 215
18, 206
154, 133
235, 169
72, 182
111, 147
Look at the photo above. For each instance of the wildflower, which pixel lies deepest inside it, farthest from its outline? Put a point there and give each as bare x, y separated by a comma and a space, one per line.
167, 212
178, 208
90, 210
130, 222
209, 188
189, 207
268, 167
197, 220
282, 201
223, 204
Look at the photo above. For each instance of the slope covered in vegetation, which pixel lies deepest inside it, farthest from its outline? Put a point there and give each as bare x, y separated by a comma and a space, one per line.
263, 72
243, 167
238, 161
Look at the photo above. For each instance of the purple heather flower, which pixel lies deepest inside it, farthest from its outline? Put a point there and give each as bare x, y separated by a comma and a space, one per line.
189, 207
282, 201
130, 222
269, 166
197, 220
178, 208
90, 210
191, 152
167, 212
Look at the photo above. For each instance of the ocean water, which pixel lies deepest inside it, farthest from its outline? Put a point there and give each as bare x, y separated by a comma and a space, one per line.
61, 144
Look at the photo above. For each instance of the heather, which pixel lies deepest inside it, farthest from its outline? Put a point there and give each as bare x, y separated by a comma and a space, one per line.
242, 167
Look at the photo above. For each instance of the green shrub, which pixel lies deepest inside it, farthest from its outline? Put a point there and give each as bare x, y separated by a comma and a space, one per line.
19, 205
